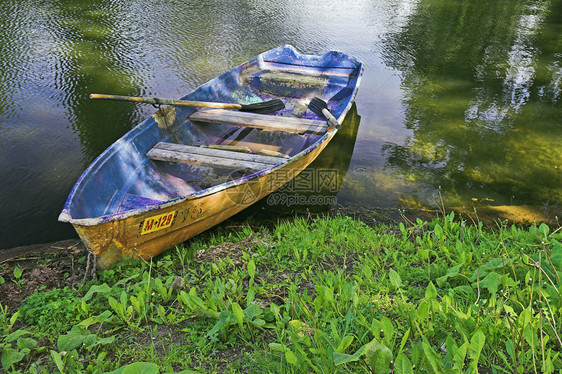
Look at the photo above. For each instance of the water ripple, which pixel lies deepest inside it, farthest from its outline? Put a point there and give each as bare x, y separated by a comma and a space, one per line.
448, 96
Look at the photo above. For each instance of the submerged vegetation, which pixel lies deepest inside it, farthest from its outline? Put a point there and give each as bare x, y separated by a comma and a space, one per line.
323, 295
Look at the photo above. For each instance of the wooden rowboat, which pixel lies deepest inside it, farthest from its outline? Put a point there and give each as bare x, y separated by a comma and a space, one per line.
186, 169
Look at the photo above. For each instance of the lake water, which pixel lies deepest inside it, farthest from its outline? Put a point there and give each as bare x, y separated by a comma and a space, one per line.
461, 100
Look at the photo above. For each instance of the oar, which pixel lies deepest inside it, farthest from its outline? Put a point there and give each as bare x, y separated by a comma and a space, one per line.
263, 107
320, 107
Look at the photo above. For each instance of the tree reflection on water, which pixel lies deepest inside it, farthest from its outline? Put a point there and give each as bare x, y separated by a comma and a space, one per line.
482, 83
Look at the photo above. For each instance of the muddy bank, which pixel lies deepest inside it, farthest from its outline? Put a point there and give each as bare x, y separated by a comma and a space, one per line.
41, 267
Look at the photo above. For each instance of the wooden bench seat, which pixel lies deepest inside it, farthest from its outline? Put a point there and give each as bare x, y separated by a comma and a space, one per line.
260, 121
173, 152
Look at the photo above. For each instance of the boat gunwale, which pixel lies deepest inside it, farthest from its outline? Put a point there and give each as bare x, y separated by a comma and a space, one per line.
65, 215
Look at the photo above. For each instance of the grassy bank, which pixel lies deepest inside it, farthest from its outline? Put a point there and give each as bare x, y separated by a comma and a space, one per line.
319, 295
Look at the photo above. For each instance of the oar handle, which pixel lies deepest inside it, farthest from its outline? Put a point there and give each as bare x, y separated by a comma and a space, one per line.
331, 119
160, 101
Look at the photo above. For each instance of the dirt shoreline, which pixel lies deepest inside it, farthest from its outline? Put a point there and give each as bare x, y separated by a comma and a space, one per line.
40, 267
35, 249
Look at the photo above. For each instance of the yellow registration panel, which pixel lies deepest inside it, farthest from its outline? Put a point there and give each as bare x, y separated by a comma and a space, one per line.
158, 222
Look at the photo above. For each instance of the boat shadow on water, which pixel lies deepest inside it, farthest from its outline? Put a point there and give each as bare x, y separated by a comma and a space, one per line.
316, 187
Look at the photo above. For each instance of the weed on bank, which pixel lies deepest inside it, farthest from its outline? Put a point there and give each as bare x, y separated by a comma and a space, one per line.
322, 295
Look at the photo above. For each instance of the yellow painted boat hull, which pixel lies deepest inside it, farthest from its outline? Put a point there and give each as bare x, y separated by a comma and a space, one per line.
113, 241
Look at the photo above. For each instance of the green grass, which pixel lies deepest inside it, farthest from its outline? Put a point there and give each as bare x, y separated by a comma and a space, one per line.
323, 295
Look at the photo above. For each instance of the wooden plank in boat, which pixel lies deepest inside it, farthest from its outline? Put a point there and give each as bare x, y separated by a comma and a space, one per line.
260, 121
210, 156
218, 152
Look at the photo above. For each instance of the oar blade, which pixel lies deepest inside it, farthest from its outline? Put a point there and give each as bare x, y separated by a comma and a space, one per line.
264, 107
316, 105
320, 108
